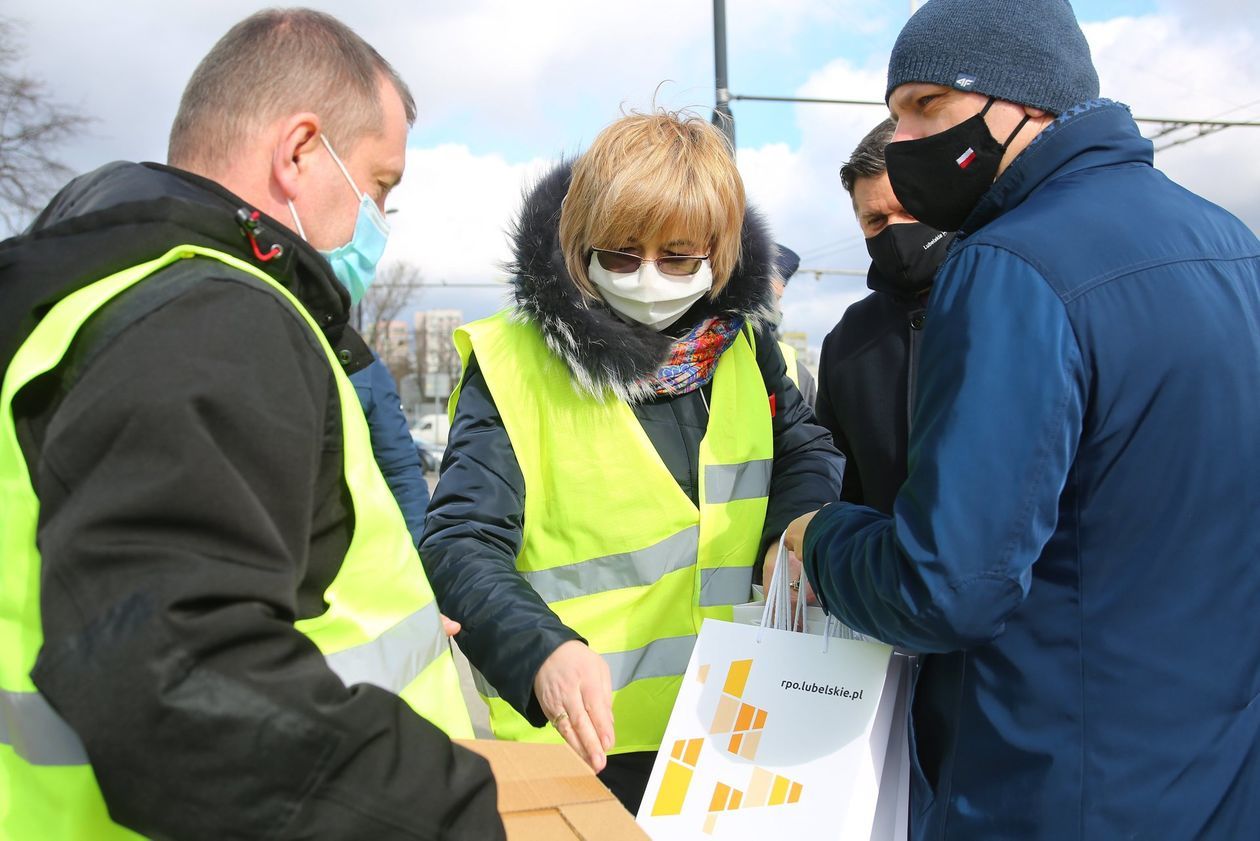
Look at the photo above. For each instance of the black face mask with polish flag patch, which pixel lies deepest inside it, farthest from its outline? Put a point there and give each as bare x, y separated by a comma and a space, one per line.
940, 179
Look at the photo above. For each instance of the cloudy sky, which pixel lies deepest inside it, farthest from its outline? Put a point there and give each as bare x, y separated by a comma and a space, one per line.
504, 87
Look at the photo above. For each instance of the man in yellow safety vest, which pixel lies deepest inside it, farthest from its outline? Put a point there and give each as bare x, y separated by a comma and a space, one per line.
213, 621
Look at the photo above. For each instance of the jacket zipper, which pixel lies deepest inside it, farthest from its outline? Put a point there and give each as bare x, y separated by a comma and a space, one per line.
916, 322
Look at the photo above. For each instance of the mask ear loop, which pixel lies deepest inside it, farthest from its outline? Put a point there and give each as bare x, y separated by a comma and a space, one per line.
296, 220
1018, 128
1022, 123
337, 160
376, 218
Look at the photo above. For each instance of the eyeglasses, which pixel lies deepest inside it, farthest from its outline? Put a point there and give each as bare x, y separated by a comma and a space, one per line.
675, 265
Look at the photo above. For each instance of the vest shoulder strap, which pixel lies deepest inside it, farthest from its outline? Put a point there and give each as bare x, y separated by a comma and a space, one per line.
140, 301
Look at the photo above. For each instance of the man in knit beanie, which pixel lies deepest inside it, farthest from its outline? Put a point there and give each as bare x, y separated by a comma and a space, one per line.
996, 73
1075, 546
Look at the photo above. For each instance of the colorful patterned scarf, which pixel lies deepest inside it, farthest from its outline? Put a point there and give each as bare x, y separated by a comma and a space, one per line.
693, 358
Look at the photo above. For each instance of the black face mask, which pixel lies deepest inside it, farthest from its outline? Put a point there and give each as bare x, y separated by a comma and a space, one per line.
939, 179
904, 258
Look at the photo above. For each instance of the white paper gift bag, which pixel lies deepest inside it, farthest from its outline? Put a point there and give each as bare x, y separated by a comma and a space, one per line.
893, 807
773, 731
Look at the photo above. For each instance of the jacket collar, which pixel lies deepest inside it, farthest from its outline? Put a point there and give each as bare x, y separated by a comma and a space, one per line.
603, 353
1095, 133
124, 214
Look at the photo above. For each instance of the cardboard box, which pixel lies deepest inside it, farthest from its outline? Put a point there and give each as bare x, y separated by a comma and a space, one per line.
546, 793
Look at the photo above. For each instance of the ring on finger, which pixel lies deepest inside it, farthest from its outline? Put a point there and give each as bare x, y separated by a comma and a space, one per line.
794, 585
558, 720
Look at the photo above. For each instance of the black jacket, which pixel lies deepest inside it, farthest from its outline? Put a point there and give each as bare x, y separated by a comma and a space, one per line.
865, 379
474, 528
187, 457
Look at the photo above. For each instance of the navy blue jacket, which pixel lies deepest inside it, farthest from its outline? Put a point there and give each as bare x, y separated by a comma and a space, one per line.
392, 445
1078, 537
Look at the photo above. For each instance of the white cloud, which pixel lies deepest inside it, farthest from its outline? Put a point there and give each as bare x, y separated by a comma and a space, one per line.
503, 62
125, 64
1212, 15
1161, 67
517, 65
505, 69
491, 63
524, 70
454, 210
799, 191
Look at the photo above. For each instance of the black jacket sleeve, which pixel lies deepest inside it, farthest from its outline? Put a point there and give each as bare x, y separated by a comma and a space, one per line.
828, 416
805, 384
177, 481
808, 470
472, 537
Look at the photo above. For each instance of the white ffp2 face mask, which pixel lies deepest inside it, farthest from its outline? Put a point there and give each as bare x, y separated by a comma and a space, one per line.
647, 296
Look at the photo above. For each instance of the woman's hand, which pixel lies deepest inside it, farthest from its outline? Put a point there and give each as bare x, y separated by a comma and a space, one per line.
796, 569
574, 688
449, 625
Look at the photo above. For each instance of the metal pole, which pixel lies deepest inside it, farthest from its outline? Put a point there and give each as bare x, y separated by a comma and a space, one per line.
722, 116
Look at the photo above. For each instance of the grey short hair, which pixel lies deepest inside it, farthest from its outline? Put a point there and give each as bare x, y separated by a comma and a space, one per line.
277, 62
868, 157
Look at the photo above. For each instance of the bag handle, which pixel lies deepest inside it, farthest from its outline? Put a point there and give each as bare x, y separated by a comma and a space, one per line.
777, 614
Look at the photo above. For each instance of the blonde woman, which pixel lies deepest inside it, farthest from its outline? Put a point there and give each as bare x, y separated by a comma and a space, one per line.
625, 445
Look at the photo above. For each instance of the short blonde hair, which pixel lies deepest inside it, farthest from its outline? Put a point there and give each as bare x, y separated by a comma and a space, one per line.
648, 174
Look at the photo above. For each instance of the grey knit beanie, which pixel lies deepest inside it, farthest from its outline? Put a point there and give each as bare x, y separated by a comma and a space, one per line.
1031, 52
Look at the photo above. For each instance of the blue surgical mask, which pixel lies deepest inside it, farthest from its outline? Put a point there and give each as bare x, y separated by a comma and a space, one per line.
354, 263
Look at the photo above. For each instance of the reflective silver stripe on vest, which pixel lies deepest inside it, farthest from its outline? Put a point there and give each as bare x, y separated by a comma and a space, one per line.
660, 658
35, 730
391, 661
615, 572
725, 585
396, 657
484, 689
725, 483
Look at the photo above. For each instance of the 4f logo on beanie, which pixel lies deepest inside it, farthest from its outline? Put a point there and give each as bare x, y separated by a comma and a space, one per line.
964, 81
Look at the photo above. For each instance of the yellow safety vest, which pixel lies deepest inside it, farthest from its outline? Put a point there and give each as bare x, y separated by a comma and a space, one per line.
611, 542
381, 626
789, 358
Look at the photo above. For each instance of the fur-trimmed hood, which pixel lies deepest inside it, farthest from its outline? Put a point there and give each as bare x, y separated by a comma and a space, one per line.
603, 352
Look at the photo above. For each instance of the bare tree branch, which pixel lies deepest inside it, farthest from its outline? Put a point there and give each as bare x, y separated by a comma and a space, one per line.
437, 359
395, 290
32, 126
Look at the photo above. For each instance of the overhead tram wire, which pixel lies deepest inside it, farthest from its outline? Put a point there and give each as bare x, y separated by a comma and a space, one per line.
1174, 126
818, 273
840, 245
1167, 124
833, 254
1204, 129
443, 284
